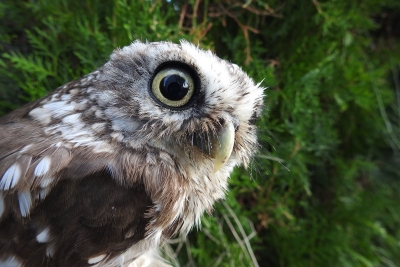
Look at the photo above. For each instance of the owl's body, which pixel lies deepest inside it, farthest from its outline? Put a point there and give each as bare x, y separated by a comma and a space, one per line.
112, 165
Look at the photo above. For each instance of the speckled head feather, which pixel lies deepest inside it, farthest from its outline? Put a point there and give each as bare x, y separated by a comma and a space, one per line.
108, 167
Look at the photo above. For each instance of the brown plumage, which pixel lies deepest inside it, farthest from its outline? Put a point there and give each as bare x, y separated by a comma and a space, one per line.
109, 167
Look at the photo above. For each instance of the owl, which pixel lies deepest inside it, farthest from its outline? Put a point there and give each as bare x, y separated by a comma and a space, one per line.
107, 168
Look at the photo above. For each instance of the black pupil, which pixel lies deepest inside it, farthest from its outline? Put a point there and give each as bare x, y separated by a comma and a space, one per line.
174, 87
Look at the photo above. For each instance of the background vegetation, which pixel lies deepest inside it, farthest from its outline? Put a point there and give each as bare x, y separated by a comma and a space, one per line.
325, 188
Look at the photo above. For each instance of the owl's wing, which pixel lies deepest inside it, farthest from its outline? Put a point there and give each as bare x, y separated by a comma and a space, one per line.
29, 158
59, 203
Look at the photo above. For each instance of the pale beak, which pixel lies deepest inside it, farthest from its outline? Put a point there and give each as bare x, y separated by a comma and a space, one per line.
218, 145
222, 145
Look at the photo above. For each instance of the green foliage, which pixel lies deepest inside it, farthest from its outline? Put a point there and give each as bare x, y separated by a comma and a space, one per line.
324, 188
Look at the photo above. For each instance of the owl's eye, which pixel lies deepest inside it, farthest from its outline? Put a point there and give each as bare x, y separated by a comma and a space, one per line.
173, 86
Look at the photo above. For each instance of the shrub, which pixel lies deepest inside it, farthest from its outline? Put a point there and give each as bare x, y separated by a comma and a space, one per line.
324, 188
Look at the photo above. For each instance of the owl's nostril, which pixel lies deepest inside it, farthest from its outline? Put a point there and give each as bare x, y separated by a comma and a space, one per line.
235, 122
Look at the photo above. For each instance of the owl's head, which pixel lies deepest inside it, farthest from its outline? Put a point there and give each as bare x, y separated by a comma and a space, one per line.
184, 100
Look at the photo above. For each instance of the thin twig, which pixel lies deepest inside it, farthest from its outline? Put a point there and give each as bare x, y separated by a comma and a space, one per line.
182, 15
243, 233
271, 158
